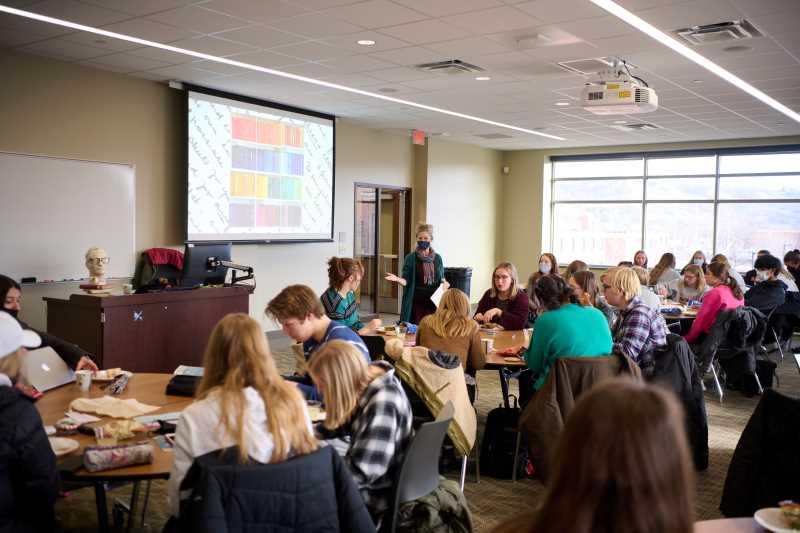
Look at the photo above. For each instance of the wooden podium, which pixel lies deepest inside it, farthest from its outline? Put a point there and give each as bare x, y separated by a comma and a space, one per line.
152, 332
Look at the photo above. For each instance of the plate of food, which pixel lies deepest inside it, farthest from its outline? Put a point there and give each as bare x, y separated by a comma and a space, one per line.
109, 375
783, 519
491, 328
62, 446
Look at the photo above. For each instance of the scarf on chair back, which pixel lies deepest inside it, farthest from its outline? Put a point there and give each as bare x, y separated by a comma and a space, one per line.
426, 257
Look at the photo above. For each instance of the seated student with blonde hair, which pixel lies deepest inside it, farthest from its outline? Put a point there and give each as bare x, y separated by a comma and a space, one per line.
647, 296
366, 403
505, 303
339, 301
640, 329
691, 286
243, 401
28, 472
622, 465
451, 330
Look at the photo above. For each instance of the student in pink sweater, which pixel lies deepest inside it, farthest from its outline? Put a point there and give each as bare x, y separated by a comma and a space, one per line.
725, 294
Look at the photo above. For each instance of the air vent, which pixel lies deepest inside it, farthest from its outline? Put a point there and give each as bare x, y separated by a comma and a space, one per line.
449, 66
721, 32
493, 136
640, 126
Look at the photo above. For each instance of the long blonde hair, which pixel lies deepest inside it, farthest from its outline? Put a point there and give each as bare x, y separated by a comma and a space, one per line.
700, 284
11, 364
237, 356
451, 318
342, 375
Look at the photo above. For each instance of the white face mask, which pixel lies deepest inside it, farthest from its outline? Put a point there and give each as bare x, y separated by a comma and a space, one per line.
698, 261
544, 268
762, 275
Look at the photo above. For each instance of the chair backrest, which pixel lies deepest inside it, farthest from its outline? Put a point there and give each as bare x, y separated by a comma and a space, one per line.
419, 473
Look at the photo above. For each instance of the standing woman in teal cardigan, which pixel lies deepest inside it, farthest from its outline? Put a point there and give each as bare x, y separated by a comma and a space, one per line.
423, 272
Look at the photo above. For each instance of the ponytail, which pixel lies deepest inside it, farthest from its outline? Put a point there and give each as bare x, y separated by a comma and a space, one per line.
721, 271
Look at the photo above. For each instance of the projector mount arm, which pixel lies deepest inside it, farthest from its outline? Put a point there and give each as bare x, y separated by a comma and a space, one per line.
214, 263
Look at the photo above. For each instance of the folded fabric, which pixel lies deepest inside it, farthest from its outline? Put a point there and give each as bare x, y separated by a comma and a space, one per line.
113, 407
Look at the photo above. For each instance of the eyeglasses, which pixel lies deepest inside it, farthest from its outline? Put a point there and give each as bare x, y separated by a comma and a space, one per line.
606, 287
98, 260
501, 277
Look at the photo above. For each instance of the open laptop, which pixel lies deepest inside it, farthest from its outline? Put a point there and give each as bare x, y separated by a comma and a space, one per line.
44, 369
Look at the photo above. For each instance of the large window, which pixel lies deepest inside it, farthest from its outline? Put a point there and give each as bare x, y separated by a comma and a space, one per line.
732, 202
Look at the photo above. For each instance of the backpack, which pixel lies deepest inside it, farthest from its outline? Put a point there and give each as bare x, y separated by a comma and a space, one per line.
499, 441
149, 274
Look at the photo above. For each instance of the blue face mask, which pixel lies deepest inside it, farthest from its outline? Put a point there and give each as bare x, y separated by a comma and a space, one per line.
423, 245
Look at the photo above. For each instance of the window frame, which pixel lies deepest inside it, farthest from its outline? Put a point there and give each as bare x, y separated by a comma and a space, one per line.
644, 202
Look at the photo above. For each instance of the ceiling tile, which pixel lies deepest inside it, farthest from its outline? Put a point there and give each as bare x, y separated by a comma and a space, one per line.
597, 28
261, 36
560, 10
376, 14
382, 42
32, 27
312, 51
762, 7
63, 49
100, 41
317, 26
357, 64
197, 18
471, 45
261, 11
139, 7
149, 30
10, 37
128, 62
400, 74
494, 20
440, 8
413, 55
74, 11
213, 46
687, 14
425, 31
172, 58
266, 59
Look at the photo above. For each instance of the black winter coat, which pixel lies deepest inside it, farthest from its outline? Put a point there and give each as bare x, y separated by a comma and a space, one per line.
766, 296
735, 337
305, 494
765, 467
28, 475
676, 370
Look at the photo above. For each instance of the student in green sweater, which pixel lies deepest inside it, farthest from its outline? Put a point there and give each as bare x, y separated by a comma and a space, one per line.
564, 329
339, 301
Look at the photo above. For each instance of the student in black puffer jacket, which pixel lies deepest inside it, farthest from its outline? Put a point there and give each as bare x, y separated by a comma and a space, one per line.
28, 474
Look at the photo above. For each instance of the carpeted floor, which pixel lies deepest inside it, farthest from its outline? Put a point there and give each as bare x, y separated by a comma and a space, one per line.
491, 500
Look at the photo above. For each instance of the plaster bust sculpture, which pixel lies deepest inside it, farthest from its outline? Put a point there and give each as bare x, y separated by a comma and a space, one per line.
96, 261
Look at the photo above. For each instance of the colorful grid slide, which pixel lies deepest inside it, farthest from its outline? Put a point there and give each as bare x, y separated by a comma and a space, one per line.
257, 173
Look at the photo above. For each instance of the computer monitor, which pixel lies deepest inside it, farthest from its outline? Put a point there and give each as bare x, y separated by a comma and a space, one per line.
196, 269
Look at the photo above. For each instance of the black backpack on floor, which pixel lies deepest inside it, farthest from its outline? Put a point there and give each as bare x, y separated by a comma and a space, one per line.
499, 441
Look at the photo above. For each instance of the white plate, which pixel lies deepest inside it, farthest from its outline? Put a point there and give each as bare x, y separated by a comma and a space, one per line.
772, 519
62, 446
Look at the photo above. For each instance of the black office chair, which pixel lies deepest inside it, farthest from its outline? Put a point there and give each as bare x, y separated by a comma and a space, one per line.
419, 473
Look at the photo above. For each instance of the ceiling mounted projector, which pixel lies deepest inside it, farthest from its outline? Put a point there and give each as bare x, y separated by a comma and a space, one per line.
617, 92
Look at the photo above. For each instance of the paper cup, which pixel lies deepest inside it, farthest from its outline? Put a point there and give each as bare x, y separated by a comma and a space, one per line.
84, 379
488, 345
127, 288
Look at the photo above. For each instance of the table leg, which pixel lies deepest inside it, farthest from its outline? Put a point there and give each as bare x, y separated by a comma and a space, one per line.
102, 507
132, 511
504, 386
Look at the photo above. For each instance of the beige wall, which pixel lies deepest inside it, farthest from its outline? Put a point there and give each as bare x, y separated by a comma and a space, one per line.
464, 204
66, 110
525, 215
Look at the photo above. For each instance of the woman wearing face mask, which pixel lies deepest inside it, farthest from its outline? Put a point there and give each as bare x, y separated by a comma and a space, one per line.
504, 303
692, 286
73, 355
640, 259
339, 301
724, 294
423, 272
698, 259
548, 266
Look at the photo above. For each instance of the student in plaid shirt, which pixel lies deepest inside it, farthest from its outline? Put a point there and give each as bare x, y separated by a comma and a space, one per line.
639, 329
366, 404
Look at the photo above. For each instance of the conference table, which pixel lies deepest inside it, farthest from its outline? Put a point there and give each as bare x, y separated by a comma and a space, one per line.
506, 366
146, 388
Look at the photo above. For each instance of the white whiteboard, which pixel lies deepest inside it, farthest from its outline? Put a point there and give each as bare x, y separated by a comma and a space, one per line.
52, 210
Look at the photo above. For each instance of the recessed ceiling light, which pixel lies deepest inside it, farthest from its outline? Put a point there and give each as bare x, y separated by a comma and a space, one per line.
387, 90
365, 42
264, 70
653, 32
620, 122
562, 104
483, 78
697, 81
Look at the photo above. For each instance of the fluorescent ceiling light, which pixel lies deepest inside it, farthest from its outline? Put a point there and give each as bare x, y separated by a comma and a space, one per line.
650, 30
248, 66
